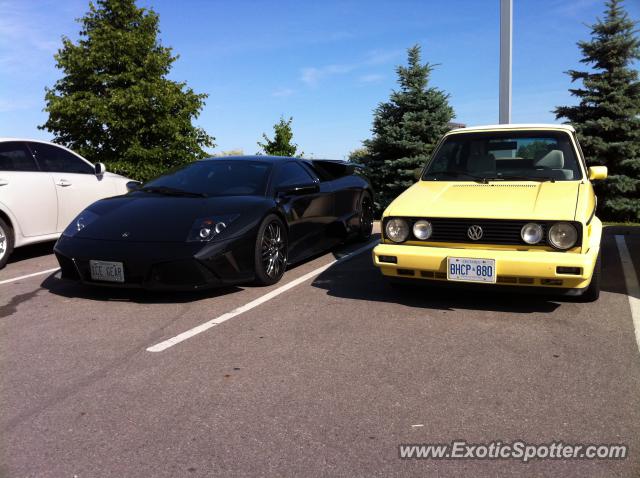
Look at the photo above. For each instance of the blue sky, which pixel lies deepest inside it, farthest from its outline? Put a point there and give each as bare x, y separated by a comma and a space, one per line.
327, 64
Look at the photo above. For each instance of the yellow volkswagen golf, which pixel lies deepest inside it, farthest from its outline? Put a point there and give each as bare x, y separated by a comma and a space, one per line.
508, 205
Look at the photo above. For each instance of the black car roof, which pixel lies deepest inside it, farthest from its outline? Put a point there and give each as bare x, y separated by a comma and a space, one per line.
249, 158
258, 157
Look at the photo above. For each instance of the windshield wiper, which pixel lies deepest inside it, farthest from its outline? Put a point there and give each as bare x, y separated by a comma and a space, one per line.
540, 179
168, 191
457, 174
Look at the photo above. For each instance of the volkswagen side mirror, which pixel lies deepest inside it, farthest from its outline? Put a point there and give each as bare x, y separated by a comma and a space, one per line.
597, 172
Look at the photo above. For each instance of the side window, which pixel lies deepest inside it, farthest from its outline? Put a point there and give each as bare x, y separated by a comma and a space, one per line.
14, 156
57, 160
314, 172
583, 160
292, 174
446, 158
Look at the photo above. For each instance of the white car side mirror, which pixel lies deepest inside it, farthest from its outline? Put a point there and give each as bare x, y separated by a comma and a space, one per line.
100, 169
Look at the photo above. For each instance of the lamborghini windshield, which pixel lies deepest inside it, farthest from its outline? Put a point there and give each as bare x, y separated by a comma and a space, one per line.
214, 177
505, 156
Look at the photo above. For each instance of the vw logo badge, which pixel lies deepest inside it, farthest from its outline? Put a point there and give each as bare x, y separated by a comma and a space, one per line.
125, 234
474, 232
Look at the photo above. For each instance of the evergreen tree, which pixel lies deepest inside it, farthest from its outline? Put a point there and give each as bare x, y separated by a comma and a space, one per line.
405, 130
281, 144
114, 103
359, 155
607, 117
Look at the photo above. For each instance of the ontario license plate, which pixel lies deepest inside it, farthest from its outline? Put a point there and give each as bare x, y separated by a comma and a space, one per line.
107, 271
464, 269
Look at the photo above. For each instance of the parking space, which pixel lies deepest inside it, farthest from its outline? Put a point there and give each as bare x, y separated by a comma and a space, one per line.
325, 377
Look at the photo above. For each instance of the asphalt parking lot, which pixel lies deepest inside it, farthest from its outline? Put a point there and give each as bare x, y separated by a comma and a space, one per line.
323, 378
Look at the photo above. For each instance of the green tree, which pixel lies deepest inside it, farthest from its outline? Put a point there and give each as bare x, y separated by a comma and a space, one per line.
231, 152
359, 155
114, 103
281, 144
535, 150
405, 130
607, 117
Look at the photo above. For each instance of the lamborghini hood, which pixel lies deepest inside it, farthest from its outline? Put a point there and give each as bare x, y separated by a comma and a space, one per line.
153, 218
495, 200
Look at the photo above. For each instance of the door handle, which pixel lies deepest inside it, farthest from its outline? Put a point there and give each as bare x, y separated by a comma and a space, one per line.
3, 182
64, 183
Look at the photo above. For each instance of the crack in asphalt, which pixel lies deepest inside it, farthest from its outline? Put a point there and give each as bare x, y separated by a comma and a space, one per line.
77, 386
67, 391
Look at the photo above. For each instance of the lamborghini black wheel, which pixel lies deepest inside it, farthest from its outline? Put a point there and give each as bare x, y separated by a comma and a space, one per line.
366, 217
271, 251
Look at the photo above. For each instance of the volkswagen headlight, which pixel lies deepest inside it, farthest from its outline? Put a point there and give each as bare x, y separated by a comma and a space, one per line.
422, 229
563, 235
532, 233
397, 230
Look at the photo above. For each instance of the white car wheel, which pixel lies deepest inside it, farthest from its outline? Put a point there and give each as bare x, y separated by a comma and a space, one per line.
6, 243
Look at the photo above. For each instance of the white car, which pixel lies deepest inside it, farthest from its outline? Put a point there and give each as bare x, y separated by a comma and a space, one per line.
43, 186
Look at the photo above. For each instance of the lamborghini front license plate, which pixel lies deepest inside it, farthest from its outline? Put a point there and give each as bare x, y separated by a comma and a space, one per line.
107, 271
464, 269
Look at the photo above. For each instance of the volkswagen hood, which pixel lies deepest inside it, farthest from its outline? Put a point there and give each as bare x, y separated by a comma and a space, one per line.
494, 200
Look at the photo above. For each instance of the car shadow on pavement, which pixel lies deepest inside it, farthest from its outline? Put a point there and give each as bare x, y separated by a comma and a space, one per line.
31, 251
358, 279
75, 290
72, 289
611, 261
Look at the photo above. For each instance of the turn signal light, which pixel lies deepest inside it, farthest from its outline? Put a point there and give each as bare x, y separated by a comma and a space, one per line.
388, 259
576, 271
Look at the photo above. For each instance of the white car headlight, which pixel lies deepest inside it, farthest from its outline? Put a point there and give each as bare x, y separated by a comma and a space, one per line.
563, 235
397, 230
532, 233
422, 229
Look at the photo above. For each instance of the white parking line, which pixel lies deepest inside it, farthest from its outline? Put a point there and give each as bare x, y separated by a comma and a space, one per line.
48, 271
164, 345
631, 280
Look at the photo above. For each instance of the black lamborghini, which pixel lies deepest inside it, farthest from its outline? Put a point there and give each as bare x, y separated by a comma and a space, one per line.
218, 221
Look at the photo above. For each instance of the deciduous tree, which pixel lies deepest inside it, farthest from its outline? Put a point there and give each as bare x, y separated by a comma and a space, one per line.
281, 144
114, 102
